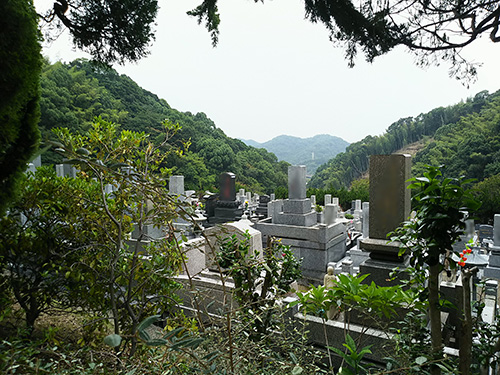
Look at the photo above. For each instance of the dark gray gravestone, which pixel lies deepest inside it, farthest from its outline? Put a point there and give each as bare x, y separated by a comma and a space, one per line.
210, 204
263, 202
389, 198
485, 232
389, 207
227, 186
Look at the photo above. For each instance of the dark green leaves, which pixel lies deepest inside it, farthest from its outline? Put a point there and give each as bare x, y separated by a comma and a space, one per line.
442, 206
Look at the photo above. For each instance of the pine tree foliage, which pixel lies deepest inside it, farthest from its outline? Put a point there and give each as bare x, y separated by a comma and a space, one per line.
432, 30
111, 30
20, 65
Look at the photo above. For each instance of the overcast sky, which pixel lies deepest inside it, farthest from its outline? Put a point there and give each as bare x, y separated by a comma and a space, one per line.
275, 73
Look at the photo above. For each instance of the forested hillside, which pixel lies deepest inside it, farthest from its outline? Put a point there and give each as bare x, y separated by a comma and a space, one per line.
463, 136
73, 94
470, 146
311, 152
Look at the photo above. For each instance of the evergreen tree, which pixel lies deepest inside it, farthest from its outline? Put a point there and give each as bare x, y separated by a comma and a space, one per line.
20, 65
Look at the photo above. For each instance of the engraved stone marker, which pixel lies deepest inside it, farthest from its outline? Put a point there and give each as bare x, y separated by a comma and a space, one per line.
297, 182
227, 186
389, 198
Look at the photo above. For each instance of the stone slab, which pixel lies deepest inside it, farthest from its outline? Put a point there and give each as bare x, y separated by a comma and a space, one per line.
230, 213
277, 206
313, 200
297, 206
239, 228
366, 219
149, 232
336, 330
492, 272
381, 249
312, 244
315, 262
496, 230
318, 233
358, 256
494, 259
194, 250
305, 220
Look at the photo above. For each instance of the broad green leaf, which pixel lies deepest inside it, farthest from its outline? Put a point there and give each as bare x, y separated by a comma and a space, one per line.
113, 340
420, 360
148, 321
82, 151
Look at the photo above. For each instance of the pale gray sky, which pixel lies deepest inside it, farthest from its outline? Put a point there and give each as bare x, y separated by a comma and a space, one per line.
275, 73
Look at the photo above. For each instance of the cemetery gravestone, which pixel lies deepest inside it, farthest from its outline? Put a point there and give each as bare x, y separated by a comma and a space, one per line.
176, 185
295, 222
297, 208
389, 198
493, 269
60, 170
210, 204
331, 213
328, 199
241, 229
263, 204
297, 182
366, 219
357, 208
485, 232
389, 207
226, 208
227, 184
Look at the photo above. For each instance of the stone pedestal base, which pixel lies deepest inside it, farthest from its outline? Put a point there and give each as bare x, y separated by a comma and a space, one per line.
380, 272
381, 249
300, 220
317, 245
358, 256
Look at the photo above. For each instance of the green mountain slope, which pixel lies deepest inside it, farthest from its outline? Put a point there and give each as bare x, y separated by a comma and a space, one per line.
465, 149
73, 94
469, 147
311, 152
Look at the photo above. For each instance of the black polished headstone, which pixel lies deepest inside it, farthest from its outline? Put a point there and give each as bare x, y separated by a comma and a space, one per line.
227, 186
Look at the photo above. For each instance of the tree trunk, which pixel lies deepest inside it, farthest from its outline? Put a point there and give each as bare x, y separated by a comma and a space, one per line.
435, 316
465, 349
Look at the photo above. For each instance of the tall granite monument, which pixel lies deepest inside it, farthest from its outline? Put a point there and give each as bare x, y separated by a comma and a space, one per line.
390, 205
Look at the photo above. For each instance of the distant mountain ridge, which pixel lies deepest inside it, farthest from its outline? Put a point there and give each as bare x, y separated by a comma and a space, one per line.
311, 152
